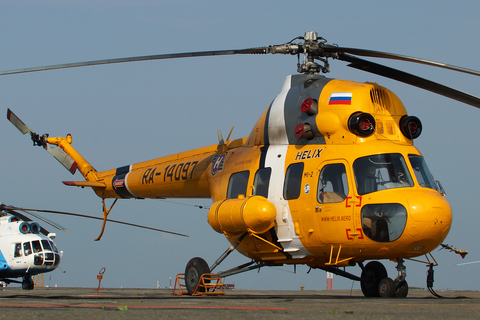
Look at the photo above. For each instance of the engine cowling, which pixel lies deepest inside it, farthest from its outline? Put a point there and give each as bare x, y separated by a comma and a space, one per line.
254, 214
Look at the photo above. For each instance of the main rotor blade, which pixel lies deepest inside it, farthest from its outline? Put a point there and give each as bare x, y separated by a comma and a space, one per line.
139, 58
53, 224
410, 79
97, 218
394, 56
25, 218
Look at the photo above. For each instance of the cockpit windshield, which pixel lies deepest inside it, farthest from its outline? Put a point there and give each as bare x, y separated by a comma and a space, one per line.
380, 172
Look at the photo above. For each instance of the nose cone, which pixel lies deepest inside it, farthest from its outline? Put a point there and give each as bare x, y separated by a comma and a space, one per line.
429, 221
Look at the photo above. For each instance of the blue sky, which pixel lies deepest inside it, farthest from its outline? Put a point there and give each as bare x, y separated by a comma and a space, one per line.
126, 113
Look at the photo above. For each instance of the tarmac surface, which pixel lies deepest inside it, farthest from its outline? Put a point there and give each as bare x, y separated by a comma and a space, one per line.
82, 303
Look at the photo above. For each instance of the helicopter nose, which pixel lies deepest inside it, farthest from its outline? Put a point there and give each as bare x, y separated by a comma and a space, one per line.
431, 219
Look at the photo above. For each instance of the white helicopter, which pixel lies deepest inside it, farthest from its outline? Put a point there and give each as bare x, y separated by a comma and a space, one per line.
26, 248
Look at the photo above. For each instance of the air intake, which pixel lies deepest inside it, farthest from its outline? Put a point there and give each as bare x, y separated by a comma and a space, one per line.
380, 98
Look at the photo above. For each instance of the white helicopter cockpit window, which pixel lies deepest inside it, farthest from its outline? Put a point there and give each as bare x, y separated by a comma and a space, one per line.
27, 248
36, 246
261, 182
54, 247
293, 181
238, 184
423, 175
46, 245
18, 250
380, 172
332, 184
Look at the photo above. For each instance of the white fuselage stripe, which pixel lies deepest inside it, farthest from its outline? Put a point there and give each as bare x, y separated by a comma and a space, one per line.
275, 159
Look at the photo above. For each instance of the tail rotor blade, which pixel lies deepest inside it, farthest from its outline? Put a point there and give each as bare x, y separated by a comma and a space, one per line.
22, 127
57, 152
63, 158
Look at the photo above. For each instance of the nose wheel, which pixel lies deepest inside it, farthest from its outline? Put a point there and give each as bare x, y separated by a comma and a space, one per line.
376, 283
371, 276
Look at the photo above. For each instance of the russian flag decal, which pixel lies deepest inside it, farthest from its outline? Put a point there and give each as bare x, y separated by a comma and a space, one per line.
340, 98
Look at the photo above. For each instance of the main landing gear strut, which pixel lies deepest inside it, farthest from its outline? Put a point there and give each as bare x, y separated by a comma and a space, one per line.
27, 282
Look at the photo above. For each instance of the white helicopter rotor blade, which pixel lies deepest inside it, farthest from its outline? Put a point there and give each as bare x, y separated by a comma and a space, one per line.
53, 224
5, 207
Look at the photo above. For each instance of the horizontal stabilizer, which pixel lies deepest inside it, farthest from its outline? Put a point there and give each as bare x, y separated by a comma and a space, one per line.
85, 184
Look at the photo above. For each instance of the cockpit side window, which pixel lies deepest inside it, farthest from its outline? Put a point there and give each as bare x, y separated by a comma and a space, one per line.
293, 181
262, 182
27, 248
238, 184
423, 175
332, 184
18, 250
54, 247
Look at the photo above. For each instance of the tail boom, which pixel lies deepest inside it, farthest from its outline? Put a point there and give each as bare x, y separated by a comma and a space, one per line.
85, 168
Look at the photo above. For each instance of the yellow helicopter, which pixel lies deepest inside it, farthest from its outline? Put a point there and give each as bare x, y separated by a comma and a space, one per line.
328, 177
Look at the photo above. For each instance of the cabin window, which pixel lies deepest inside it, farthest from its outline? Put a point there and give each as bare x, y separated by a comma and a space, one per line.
49, 258
293, 181
18, 250
36, 246
423, 175
380, 172
27, 248
261, 182
46, 245
38, 259
238, 184
384, 222
57, 260
332, 184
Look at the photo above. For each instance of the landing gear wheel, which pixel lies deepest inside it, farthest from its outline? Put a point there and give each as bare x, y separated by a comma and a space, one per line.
372, 274
386, 288
402, 290
193, 271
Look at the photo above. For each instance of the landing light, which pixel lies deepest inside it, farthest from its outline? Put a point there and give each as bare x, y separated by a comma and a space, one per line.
411, 127
361, 124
